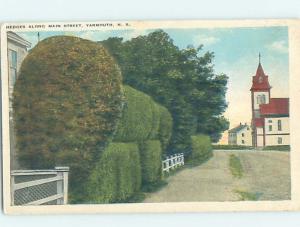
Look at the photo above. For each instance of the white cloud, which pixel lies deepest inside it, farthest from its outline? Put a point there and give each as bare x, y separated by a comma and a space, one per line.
205, 40
279, 46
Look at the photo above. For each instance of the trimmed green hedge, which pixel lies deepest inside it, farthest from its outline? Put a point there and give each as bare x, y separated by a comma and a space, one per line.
117, 175
165, 128
150, 152
67, 100
143, 119
201, 149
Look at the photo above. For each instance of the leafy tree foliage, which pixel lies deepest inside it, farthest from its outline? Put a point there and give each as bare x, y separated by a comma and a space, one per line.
183, 80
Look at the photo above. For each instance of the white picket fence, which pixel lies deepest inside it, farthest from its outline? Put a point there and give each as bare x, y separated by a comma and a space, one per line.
39, 187
173, 161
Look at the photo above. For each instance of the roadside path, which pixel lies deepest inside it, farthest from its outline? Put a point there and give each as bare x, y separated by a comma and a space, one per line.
266, 173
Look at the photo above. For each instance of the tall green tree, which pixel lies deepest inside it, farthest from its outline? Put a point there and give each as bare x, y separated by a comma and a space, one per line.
183, 80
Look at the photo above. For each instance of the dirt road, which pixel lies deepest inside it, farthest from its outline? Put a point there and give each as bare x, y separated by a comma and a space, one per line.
266, 174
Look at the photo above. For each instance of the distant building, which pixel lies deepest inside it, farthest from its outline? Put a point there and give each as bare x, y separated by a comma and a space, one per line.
270, 116
240, 135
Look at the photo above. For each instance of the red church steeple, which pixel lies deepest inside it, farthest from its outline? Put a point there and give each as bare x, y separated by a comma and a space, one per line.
260, 81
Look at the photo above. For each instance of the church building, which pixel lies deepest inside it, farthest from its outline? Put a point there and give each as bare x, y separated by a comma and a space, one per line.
270, 116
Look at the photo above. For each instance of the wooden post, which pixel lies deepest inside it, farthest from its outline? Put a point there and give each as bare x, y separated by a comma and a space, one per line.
12, 188
62, 185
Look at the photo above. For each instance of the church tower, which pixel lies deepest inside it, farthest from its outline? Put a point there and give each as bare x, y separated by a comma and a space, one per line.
260, 94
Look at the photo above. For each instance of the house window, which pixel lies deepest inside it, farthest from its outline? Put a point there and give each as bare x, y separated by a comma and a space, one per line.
243, 141
270, 128
269, 121
279, 140
243, 134
279, 125
12, 67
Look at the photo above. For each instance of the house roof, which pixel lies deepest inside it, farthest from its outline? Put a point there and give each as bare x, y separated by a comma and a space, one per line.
238, 128
276, 106
18, 39
260, 81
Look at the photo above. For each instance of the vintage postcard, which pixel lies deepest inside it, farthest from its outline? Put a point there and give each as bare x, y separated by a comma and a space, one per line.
150, 116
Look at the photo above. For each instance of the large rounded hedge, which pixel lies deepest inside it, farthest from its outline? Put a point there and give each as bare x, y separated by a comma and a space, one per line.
66, 102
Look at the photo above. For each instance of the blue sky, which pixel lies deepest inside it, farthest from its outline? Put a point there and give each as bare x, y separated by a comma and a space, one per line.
236, 54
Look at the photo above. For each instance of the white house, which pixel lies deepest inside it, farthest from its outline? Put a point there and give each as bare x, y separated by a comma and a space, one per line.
17, 49
240, 135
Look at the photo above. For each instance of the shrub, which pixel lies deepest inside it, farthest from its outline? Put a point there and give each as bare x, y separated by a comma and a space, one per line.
66, 103
140, 119
150, 152
201, 149
117, 175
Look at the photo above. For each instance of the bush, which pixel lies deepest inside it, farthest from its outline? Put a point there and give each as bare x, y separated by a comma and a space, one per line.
140, 119
117, 175
66, 103
150, 152
201, 149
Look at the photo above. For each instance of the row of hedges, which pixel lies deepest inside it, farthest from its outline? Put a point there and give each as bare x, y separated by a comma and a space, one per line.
277, 148
231, 147
201, 149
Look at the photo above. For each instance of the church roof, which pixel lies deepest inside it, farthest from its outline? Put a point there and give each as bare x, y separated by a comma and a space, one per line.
260, 81
276, 106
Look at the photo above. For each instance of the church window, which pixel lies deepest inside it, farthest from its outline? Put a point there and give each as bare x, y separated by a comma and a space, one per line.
261, 99
260, 79
243, 141
258, 99
279, 140
279, 125
243, 134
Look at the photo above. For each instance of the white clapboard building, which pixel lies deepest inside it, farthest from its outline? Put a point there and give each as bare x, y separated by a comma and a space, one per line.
240, 135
